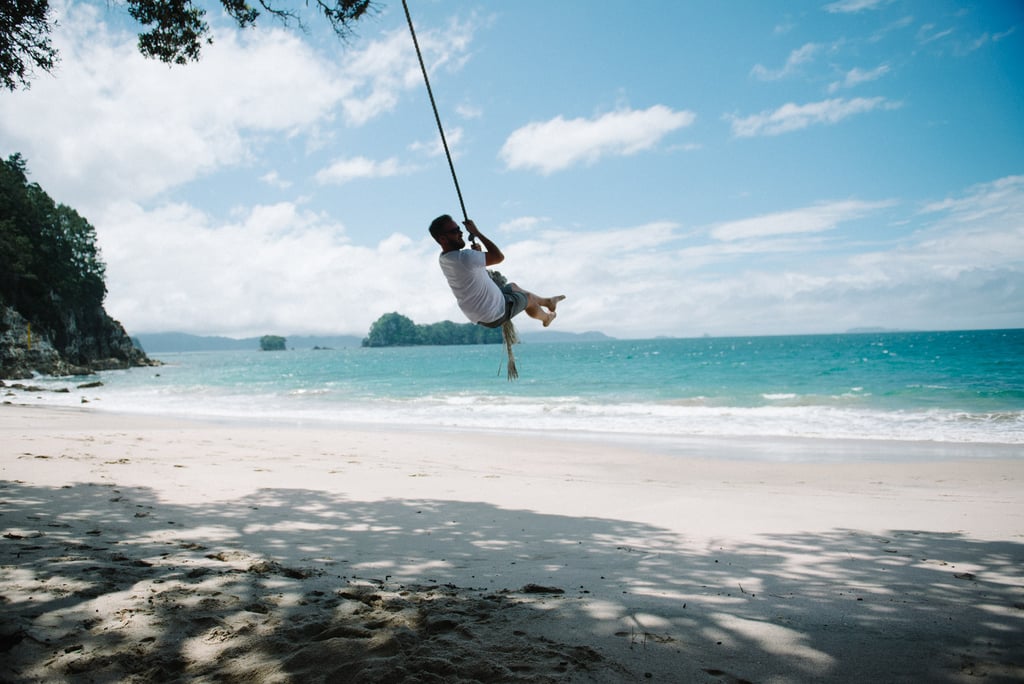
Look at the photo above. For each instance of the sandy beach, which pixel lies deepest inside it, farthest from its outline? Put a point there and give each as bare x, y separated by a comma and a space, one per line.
146, 549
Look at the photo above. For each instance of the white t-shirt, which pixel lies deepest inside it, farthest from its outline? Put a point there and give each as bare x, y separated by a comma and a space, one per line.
479, 298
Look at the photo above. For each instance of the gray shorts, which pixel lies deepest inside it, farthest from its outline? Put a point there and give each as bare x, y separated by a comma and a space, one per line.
515, 303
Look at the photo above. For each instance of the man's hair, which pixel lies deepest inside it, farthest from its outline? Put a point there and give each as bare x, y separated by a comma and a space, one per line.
437, 224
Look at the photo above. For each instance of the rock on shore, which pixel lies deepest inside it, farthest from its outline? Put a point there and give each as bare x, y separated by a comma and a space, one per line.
82, 343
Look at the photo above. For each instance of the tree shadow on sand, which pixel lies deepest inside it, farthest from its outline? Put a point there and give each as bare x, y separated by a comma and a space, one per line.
295, 585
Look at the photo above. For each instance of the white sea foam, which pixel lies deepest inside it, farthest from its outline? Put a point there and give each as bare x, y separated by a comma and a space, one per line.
552, 414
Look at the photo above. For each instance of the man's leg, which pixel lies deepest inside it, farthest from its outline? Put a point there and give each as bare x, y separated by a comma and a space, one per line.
535, 305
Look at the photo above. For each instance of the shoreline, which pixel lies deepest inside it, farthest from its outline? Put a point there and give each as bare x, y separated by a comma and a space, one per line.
198, 550
626, 401
762, 448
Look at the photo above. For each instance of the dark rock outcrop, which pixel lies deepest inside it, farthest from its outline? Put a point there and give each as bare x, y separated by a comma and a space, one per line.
81, 343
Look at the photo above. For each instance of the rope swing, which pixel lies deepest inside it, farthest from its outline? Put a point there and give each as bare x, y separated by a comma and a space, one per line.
437, 117
508, 331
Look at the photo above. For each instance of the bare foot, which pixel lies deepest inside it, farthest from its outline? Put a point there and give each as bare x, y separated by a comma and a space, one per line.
550, 317
553, 301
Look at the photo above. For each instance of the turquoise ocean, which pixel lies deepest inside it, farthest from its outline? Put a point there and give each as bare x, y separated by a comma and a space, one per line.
962, 387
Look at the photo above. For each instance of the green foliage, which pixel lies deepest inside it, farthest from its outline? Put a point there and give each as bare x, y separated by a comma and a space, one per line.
392, 330
24, 41
272, 343
396, 330
49, 261
176, 30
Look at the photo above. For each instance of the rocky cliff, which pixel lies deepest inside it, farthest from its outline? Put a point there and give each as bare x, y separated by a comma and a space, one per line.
81, 343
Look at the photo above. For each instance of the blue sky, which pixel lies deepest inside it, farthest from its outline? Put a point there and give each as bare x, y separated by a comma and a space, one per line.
674, 168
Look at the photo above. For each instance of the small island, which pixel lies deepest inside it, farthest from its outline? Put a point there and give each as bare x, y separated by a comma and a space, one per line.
272, 343
396, 330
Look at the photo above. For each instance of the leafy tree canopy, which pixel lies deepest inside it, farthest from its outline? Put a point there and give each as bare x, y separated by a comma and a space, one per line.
24, 41
174, 30
48, 254
272, 343
396, 330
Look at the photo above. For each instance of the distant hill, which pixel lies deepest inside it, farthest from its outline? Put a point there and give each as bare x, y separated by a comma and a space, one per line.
155, 343
561, 336
169, 342
872, 329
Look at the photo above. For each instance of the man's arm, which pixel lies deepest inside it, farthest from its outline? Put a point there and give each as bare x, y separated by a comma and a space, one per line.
493, 255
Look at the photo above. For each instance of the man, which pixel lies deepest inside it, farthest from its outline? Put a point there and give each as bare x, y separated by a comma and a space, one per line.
478, 296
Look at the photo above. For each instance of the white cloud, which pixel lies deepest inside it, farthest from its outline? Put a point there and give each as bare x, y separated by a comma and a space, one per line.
1001, 195
343, 171
378, 75
856, 76
435, 147
467, 111
522, 224
120, 126
966, 47
897, 25
928, 33
617, 279
557, 144
797, 57
815, 219
794, 117
848, 6
273, 179
276, 269
987, 223
387, 67
1004, 34
964, 268
281, 269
